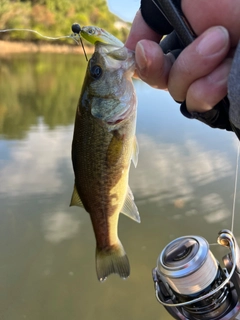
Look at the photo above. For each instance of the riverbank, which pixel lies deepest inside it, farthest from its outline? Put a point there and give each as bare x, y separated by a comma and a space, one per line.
12, 47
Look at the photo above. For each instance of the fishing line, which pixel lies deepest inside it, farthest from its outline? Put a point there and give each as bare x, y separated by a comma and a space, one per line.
234, 193
214, 244
41, 35
235, 188
75, 36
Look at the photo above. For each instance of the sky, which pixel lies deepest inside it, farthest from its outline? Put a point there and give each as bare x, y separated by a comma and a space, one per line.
125, 9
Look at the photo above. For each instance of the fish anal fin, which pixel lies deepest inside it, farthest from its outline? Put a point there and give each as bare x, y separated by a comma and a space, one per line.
75, 200
129, 208
135, 152
112, 260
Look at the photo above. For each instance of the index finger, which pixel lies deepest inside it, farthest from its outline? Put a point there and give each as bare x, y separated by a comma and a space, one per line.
139, 31
204, 14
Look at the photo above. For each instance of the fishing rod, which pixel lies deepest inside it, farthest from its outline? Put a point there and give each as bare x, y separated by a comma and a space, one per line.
188, 280
182, 35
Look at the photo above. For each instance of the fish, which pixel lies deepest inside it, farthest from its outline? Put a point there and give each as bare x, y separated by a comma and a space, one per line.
104, 144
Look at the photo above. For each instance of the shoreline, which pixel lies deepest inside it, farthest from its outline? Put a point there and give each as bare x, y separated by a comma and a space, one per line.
12, 47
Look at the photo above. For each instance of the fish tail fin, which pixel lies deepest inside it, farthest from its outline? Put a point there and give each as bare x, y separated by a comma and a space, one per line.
112, 260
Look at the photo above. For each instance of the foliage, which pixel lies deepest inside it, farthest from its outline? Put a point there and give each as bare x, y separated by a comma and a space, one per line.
55, 17
39, 86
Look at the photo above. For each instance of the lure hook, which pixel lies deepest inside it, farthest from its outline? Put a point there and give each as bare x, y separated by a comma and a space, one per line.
76, 29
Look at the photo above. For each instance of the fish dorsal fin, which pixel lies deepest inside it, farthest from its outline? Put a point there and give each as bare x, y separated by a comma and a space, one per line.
135, 152
75, 201
129, 208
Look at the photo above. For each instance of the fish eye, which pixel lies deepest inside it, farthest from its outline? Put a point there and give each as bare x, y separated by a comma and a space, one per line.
96, 71
90, 31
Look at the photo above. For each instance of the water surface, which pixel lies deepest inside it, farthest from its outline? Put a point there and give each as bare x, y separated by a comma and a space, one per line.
183, 185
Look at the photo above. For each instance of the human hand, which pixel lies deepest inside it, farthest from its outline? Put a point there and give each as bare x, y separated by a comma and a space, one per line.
199, 75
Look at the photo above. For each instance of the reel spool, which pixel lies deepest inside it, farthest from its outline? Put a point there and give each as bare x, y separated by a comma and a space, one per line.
190, 282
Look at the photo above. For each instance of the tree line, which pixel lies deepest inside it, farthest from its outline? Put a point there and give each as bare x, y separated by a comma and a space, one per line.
55, 18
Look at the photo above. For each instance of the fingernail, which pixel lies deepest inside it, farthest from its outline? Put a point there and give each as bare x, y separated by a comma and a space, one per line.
141, 59
214, 41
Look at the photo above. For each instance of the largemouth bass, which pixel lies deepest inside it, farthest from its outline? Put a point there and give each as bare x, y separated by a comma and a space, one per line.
103, 146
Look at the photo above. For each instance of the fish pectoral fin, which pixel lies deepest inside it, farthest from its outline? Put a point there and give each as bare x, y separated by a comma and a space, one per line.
115, 149
135, 152
129, 208
75, 201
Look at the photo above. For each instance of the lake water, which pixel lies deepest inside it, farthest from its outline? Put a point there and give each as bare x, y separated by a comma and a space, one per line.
183, 185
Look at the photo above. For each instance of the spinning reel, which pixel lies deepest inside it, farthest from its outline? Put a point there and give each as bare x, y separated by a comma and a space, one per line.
190, 283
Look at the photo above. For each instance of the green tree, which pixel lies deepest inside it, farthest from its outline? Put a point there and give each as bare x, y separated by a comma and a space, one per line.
34, 86
55, 17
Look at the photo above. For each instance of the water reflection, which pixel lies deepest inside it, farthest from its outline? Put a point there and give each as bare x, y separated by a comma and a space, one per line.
36, 160
178, 168
60, 226
176, 173
32, 86
183, 185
